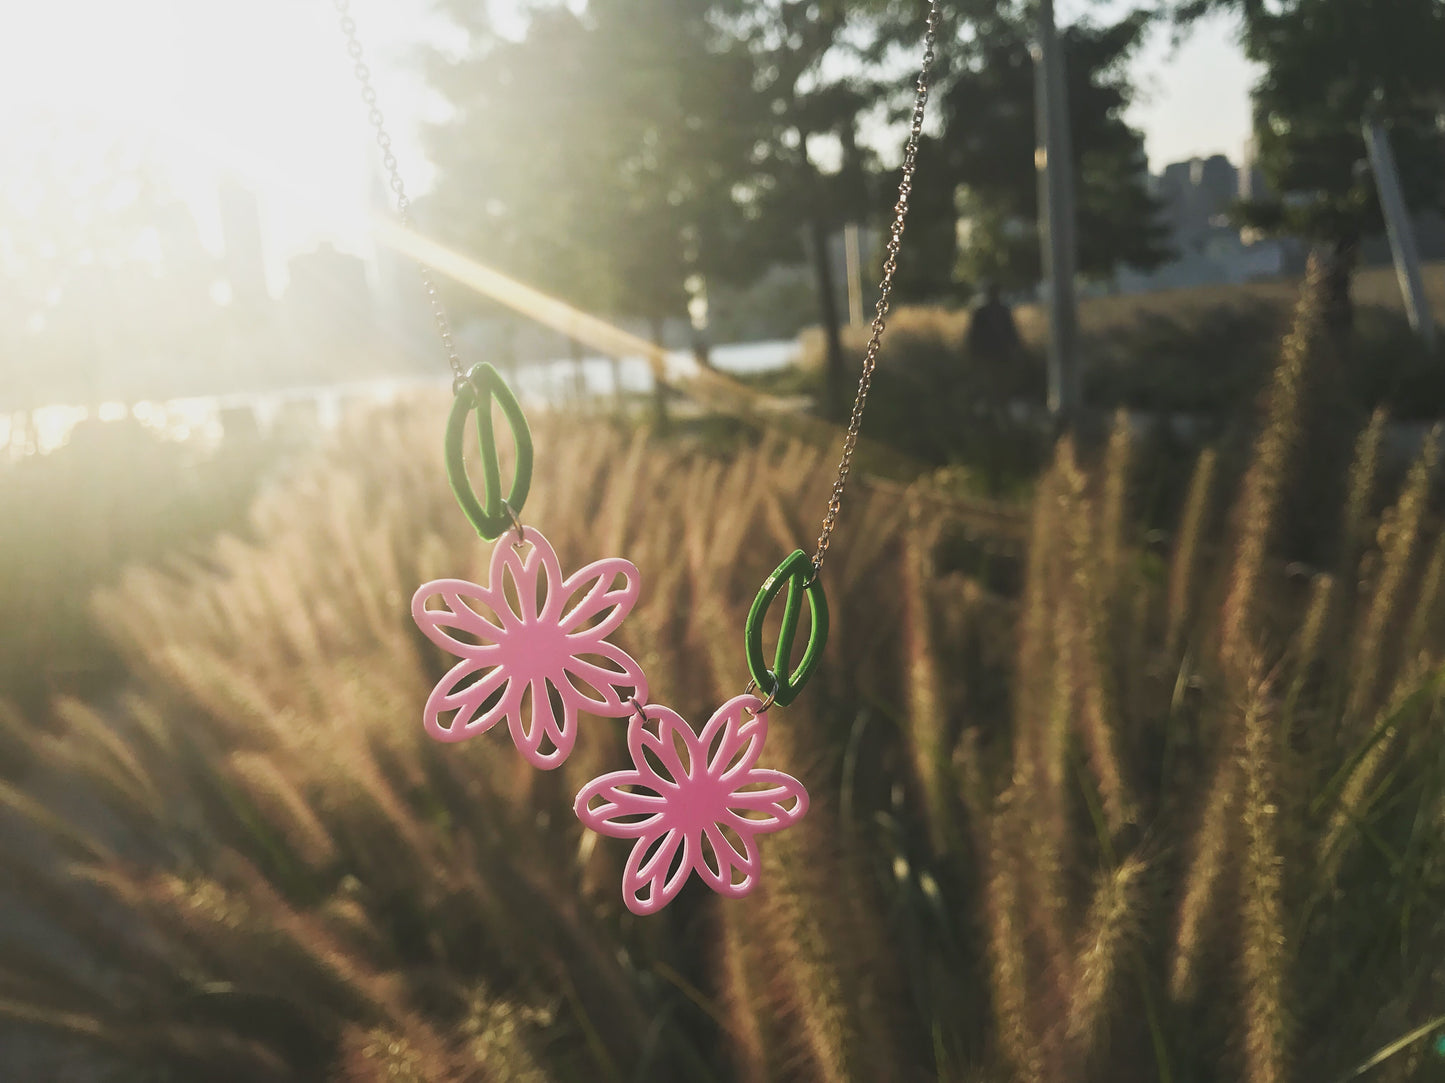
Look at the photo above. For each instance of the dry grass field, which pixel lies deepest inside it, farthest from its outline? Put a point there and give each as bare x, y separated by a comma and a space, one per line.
1163, 813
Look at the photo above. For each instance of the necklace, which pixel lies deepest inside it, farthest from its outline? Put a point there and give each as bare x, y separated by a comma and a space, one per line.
533, 644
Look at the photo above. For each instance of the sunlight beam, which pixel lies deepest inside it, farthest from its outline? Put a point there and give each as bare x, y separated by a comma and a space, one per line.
561, 317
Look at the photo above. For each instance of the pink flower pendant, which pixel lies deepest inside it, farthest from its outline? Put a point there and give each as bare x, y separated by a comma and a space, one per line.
533, 648
699, 814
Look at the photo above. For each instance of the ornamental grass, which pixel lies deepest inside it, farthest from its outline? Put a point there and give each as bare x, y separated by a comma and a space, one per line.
1170, 810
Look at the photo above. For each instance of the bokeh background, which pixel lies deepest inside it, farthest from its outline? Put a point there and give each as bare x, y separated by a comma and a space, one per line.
1126, 757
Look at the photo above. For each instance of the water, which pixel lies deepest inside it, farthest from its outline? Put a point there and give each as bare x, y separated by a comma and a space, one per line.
537, 384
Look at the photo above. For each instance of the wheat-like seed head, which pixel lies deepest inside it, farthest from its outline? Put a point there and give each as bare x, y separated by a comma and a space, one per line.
1184, 567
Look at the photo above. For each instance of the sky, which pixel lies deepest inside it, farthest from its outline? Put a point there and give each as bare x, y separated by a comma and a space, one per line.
1193, 100
264, 91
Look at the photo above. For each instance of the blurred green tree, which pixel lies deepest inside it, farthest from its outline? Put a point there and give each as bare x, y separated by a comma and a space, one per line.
837, 78
606, 156
611, 165
816, 93
986, 156
1328, 64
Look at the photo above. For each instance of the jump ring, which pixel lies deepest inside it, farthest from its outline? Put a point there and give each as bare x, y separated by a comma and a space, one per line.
767, 703
516, 524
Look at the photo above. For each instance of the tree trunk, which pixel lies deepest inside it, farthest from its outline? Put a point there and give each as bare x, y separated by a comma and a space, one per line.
509, 363
659, 381
618, 396
834, 375
1339, 313
22, 433
579, 376
701, 348
697, 315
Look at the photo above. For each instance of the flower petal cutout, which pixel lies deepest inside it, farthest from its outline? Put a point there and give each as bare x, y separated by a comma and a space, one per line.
533, 648
698, 816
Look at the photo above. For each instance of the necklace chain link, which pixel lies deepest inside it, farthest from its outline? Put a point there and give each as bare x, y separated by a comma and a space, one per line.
885, 290
398, 187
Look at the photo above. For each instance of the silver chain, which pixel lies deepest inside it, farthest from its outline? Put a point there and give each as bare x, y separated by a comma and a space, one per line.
885, 290
388, 159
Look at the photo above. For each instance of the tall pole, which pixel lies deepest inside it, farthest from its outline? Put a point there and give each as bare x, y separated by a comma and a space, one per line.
1053, 158
1400, 231
834, 375
855, 273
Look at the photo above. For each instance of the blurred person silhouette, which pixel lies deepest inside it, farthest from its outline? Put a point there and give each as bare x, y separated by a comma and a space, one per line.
993, 337
993, 369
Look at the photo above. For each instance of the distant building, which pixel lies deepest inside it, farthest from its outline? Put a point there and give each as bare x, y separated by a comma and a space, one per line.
1216, 183
329, 304
245, 259
328, 282
1175, 192
190, 271
1252, 185
403, 309
1224, 259
183, 255
1196, 198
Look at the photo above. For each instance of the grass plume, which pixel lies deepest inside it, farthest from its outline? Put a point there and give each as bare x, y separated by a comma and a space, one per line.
1085, 813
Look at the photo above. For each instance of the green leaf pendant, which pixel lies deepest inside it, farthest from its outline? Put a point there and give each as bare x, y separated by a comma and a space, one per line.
491, 515
781, 682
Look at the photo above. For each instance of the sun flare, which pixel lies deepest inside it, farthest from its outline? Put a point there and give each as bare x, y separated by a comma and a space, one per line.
179, 95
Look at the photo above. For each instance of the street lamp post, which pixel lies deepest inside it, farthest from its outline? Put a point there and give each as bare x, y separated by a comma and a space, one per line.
1053, 158
1401, 231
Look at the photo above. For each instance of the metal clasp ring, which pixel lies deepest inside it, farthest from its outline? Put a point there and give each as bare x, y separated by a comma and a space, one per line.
641, 711
516, 525
463, 380
767, 703
813, 578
